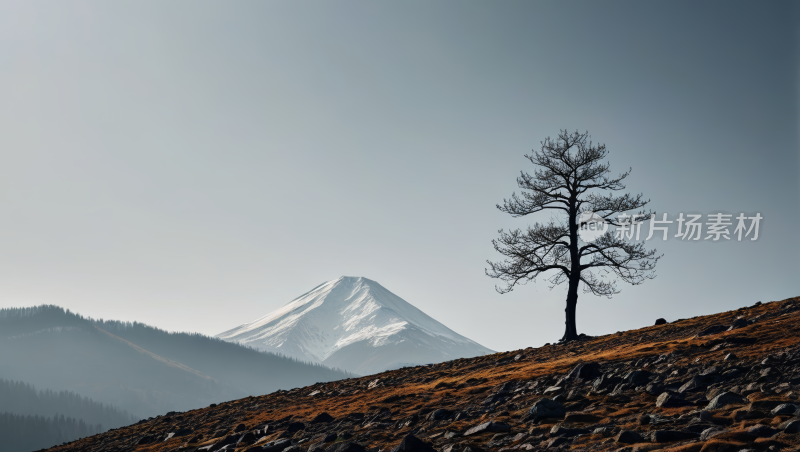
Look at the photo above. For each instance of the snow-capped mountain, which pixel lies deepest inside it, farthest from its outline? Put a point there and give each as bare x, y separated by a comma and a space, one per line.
354, 323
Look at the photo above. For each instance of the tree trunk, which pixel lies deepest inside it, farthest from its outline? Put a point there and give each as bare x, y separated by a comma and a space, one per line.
571, 331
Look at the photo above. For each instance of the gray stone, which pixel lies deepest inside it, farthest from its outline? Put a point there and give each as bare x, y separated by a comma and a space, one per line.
726, 398
440, 414
628, 437
547, 408
488, 427
668, 436
604, 431
791, 426
637, 377
322, 418
783, 409
762, 430
276, 446
560, 430
346, 446
713, 329
583, 372
413, 444
555, 442
738, 323
668, 399
247, 438
711, 432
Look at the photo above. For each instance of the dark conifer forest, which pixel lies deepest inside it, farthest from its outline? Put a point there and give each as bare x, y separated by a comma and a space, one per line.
22, 398
23, 433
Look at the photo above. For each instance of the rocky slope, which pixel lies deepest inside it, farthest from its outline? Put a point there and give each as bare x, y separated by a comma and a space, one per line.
725, 382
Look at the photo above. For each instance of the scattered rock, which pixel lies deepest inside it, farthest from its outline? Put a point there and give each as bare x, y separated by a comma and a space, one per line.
322, 418
556, 442
714, 329
579, 418
413, 444
791, 426
295, 427
583, 372
560, 430
488, 427
784, 408
546, 408
330, 437
439, 415
762, 430
637, 377
247, 438
711, 432
668, 436
738, 323
724, 399
669, 400
346, 446
628, 437
604, 431
273, 446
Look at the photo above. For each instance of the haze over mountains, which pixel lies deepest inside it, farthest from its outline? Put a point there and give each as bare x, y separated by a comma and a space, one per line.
354, 323
138, 368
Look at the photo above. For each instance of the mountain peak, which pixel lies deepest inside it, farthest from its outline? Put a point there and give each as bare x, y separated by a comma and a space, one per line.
354, 323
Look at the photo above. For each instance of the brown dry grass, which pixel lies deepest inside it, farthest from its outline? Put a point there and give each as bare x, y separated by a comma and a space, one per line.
434, 387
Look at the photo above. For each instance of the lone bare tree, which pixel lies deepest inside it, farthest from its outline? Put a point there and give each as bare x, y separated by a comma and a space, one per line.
571, 180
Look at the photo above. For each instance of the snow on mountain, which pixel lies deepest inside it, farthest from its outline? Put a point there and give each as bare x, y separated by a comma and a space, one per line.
355, 324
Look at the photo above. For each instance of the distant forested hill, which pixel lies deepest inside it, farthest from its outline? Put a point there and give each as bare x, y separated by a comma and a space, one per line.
22, 433
22, 398
141, 369
241, 366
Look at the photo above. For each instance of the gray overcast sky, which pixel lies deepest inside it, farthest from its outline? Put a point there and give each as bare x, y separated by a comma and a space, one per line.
193, 165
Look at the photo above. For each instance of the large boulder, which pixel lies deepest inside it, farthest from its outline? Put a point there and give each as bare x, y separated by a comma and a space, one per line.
545, 407
413, 444
660, 322
295, 427
697, 383
724, 399
669, 400
322, 418
628, 437
606, 381
583, 372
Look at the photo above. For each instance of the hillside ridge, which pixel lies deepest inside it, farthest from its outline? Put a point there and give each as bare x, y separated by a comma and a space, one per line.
728, 381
